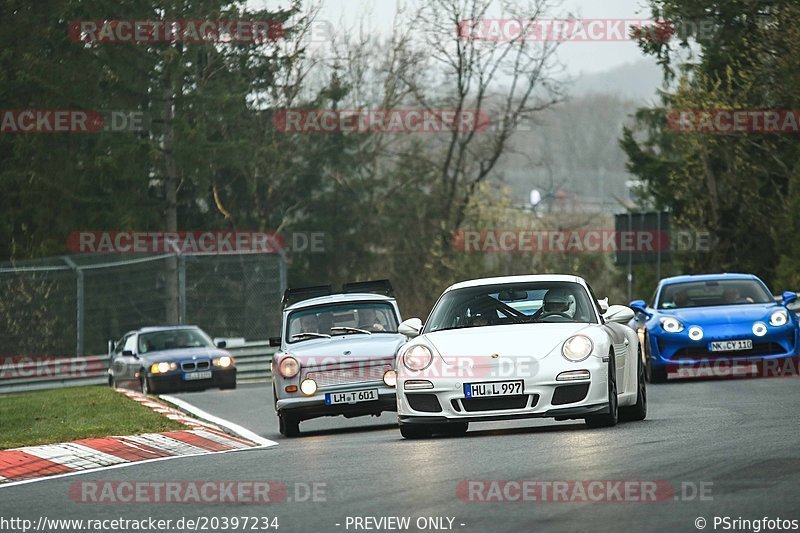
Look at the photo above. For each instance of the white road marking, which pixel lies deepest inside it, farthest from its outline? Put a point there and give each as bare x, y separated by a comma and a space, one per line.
236, 428
75, 456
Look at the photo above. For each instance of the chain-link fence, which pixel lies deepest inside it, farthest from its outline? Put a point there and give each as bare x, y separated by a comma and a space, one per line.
74, 304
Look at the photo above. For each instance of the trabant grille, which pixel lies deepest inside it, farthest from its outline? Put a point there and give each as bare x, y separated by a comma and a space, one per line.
344, 376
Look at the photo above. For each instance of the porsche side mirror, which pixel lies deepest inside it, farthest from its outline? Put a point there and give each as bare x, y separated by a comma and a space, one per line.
789, 297
274, 341
619, 314
410, 328
640, 306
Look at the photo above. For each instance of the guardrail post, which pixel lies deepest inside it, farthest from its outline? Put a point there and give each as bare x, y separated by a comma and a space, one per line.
80, 308
181, 289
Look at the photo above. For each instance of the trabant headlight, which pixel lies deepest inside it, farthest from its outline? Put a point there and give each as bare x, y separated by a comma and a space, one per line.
289, 367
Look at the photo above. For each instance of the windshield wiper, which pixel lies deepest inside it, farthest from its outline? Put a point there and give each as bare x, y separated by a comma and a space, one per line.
309, 334
348, 328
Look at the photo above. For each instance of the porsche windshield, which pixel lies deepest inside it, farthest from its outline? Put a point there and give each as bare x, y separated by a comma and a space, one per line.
351, 318
713, 293
524, 303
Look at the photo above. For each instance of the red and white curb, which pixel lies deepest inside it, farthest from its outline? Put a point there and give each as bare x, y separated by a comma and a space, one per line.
34, 463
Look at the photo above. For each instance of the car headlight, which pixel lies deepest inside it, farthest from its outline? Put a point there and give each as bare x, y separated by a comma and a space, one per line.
308, 387
696, 333
759, 329
671, 325
289, 367
417, 358
779, 318
390, 378
577, 348
161, 368
225, 361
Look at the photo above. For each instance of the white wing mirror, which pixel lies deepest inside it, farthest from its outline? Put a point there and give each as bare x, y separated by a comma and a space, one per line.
619, 314
410, 328
603, 305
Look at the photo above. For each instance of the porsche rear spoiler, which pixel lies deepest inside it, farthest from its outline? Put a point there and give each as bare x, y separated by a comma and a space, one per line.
381, 286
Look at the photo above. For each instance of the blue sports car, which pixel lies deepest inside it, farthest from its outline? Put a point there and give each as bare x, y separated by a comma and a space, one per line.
703, 320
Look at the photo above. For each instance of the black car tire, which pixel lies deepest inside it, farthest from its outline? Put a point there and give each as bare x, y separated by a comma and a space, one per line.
637, 411
608, 419
653, 374
289, 425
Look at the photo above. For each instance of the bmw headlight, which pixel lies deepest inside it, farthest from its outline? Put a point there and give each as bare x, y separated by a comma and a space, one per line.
225, 361
671, 325
417, 358
696, 333
162, 368
779, 318
577, 348
289, 367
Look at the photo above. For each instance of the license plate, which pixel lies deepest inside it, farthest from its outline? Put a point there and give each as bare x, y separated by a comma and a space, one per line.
192, 376
731, 346
495, 388
356, 396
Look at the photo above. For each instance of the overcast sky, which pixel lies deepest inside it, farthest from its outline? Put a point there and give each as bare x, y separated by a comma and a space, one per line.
578, 57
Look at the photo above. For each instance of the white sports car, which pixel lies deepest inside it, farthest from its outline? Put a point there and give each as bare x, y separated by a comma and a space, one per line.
519, 347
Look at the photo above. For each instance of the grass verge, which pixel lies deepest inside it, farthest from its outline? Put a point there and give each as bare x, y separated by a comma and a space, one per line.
62, 415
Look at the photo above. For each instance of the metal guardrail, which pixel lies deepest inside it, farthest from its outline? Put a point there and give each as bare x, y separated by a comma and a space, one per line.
23, 373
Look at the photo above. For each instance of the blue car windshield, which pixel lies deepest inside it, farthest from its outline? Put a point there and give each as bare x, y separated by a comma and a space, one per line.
713, 293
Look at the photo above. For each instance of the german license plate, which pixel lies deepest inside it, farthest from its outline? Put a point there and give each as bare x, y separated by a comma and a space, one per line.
356, 396
193, 376
731, 346
495, 388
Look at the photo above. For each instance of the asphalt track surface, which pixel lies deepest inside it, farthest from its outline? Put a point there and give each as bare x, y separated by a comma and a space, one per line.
738, 440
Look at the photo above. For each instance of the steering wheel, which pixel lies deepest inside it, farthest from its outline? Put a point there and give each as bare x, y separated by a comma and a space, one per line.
562, 315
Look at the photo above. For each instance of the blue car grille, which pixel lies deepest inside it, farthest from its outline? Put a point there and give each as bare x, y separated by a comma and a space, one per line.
702, 352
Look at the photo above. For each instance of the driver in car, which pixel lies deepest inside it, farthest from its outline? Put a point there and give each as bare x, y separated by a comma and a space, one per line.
556, 303
368, 320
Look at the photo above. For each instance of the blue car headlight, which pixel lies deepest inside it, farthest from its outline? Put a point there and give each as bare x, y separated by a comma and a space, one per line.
779, 318
671, 324
696, 333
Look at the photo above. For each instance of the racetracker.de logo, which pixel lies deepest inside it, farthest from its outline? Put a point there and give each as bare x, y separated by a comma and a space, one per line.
580, 491
175, 31
380, 121
564, 30
181, 242
70, 121
728, 121
560, 241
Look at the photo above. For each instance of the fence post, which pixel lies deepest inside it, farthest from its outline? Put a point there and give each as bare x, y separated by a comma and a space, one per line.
80, 308
181, 289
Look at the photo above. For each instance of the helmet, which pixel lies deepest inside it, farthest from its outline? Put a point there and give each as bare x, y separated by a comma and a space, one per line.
557, 301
